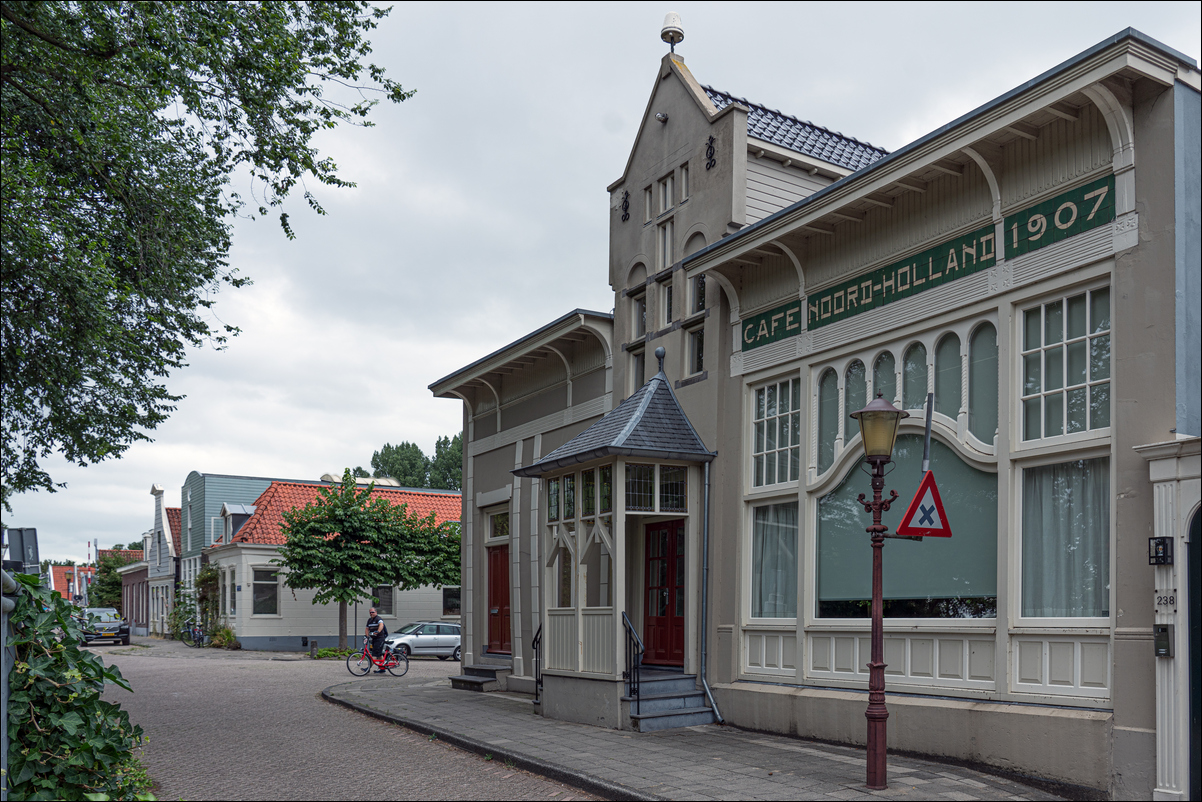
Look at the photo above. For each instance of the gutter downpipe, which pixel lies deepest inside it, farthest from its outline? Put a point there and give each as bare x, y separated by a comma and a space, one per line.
705, 584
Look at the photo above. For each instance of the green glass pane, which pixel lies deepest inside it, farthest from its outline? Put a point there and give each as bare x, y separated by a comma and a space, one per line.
1099, 310
797, 394
569, 497
1076, 410
1031, 419
1099, 357
828, 419
1031, 326
855, 397
1031, 371
1053, 415
1053, 323
607, 487
1099, 406
1076, 316
553, 500
914, 380
884, 377
1076, 363
947, 376
759, 404
1053, 368
982, 383
588, 492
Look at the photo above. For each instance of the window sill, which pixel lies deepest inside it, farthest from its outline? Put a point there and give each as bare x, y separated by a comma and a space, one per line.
976, 625
771, 491
694, 379
1061, 443
266, 615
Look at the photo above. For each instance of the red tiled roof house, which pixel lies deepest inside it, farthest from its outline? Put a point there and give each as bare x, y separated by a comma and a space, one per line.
266, 615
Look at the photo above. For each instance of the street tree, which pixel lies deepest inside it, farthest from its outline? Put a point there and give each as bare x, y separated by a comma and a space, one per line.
347, 543
105, 591
446, 468
122, 124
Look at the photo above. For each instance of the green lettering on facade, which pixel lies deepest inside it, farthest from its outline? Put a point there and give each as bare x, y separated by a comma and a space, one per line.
773, 325
1066, 215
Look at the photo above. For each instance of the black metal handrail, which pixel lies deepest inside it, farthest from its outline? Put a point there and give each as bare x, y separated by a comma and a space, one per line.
634, 660
537, 646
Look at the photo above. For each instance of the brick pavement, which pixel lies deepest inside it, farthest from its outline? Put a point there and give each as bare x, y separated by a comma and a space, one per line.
252, 725
708, 762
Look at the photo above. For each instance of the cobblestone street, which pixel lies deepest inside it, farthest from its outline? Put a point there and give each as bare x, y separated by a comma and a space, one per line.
252, 725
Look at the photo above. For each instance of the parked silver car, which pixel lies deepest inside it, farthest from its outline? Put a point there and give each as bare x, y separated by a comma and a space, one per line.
424, 637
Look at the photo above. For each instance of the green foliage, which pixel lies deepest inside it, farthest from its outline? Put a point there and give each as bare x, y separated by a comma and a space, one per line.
406, 463
346, 543
446, 469
207, 584
65, 742
122, 123
224, 638
361, 473
340, 654
181, 612
106, 590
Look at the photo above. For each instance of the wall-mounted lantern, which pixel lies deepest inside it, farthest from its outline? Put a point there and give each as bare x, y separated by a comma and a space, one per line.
1160, 551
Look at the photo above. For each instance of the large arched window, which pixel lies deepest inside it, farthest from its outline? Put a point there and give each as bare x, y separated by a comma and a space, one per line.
982, 383
828, 418
947, 376
855, 397
884, 377
914, 378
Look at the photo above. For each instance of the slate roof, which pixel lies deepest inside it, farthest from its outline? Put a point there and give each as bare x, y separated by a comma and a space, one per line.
264, 526
174, 519
648, 424
803, 137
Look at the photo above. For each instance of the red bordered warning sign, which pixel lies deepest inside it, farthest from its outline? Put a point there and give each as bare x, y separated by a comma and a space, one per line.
925, 516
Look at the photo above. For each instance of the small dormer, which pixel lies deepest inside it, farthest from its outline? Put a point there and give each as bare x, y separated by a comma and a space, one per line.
233, 516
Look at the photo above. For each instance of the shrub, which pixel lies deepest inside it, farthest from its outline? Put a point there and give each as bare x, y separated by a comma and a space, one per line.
65, 742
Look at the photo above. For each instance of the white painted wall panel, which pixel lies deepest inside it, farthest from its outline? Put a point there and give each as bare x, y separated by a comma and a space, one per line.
1064, 153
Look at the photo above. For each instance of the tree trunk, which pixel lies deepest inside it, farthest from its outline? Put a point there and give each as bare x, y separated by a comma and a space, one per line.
342, 626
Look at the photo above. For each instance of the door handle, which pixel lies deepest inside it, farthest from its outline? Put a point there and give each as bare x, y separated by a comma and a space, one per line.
494, 611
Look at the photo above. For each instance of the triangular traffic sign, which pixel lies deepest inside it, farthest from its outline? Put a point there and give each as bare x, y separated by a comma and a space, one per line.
925, 516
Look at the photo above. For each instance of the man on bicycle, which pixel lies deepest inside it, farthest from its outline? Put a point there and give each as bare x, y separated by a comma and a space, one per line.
376, 630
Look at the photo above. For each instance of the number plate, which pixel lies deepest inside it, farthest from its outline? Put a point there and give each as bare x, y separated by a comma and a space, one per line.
1166, 600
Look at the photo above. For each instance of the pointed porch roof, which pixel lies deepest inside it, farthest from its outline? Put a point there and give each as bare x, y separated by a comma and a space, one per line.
649, 424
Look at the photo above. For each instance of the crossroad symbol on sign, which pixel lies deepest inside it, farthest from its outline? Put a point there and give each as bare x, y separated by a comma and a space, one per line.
925, 516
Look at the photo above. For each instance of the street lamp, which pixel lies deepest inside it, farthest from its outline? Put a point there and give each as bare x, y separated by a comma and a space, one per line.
878, 430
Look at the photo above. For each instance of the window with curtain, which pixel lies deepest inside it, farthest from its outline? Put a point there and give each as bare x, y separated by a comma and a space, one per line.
855, 397
383, 596
884, 377
828, 419
774, 561
776, 444
1066, 540
952, 577
947, 376
1066, 365
914, 377
982, 383
266, 592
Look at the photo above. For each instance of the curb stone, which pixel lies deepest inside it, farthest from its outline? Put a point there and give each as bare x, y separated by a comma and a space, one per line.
551, 771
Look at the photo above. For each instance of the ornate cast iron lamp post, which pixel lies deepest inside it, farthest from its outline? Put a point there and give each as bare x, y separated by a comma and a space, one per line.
878, 429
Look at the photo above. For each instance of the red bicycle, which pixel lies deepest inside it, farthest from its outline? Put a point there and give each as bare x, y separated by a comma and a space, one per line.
362, 662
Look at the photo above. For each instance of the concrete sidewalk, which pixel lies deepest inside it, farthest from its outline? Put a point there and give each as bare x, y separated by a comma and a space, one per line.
710, 762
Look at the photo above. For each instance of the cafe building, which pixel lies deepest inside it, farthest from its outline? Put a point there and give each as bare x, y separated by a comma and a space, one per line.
658, 538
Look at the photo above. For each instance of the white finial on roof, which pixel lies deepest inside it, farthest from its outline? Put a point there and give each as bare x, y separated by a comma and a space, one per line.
673, 32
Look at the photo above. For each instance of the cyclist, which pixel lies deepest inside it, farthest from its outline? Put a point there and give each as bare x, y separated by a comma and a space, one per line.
376, 630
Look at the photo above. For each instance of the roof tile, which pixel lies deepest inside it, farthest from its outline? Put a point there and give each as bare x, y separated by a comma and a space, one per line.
174, 519
803, 137
265, 526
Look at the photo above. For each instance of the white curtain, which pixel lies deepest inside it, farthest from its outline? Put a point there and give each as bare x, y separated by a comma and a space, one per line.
774, 562
1066, 539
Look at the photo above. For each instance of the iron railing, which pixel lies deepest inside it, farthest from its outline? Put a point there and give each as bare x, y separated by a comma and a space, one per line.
537, 646
634, 660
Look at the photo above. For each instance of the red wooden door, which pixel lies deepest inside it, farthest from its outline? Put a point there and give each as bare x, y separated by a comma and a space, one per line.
499, 639
663, 630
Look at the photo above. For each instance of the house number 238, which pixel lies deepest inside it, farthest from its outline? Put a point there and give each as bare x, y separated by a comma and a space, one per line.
1165, 600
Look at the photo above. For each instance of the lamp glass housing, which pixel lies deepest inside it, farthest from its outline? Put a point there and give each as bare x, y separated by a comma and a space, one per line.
878, 427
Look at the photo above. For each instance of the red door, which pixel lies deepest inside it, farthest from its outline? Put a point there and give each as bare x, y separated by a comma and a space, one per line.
663, 632
498, 600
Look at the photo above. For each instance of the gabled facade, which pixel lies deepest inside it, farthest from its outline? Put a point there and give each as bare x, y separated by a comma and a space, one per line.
265, 615
162, 549
201, 498
1032, 266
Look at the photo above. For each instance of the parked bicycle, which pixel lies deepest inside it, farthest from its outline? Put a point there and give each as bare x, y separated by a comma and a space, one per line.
362, 662
193, 634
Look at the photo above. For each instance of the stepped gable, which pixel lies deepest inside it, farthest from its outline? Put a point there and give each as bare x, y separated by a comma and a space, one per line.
648, 424
264, 527
804, 137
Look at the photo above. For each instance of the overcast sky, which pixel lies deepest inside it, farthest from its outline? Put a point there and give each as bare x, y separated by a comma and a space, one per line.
481, 212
